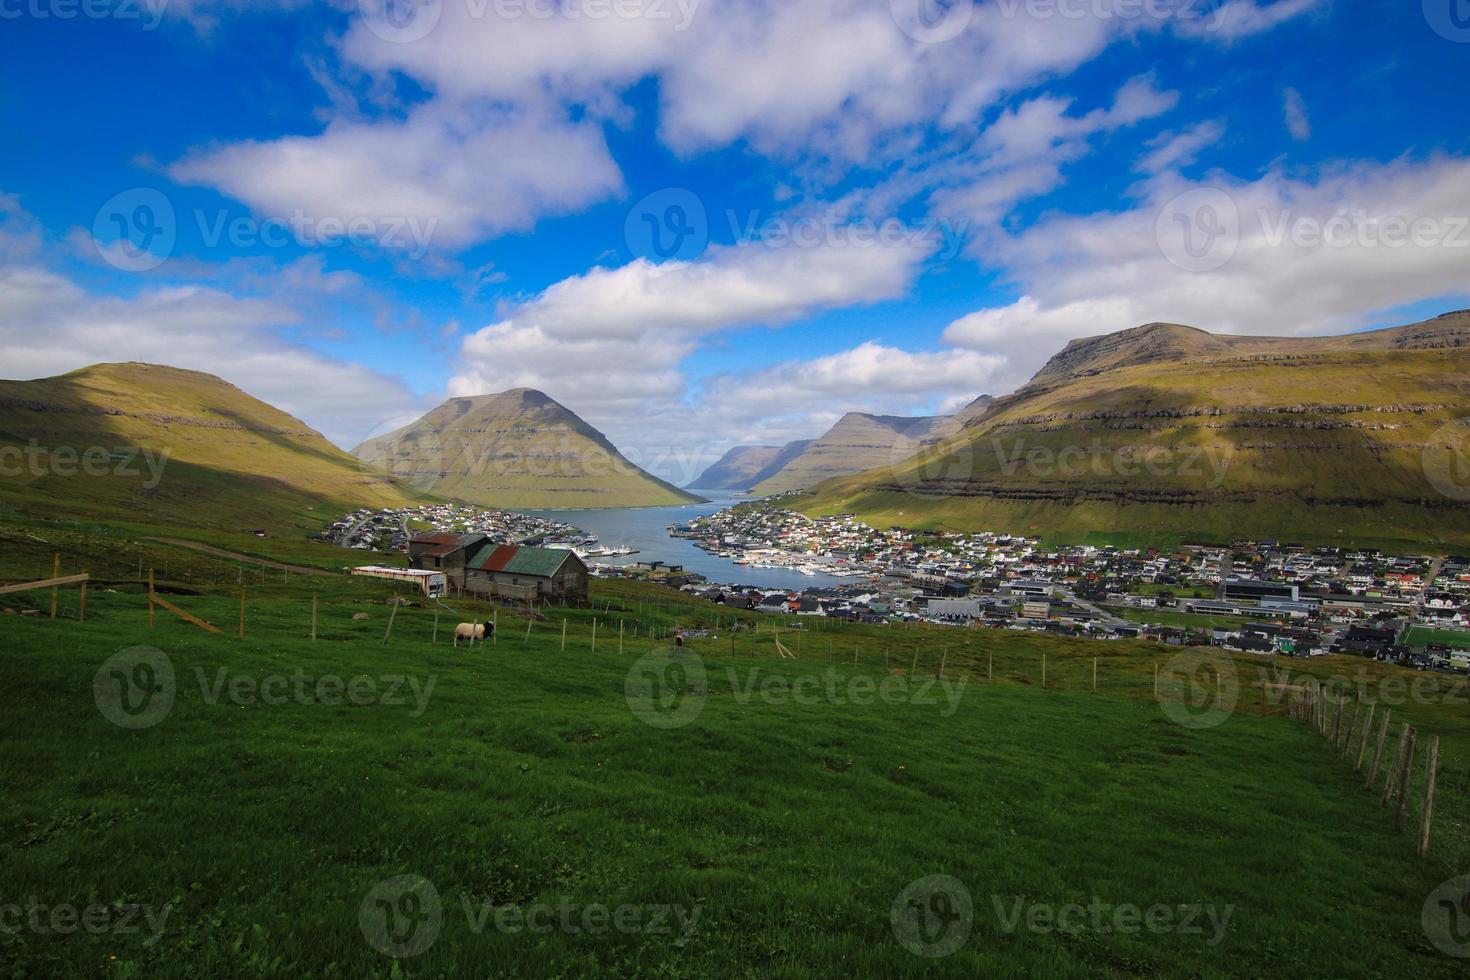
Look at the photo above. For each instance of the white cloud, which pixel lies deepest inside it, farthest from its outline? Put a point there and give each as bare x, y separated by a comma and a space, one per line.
1083, 276
452, 176
1022, 153
610, 343
1171, 150
1239, 19
871, 377
1294, 107
519, 92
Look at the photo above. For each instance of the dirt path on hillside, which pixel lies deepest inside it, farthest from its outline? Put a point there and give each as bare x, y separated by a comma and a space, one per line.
211, 550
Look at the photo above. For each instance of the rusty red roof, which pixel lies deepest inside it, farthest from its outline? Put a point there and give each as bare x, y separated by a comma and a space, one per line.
499, 558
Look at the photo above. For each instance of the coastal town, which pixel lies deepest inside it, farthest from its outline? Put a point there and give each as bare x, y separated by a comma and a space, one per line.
1264, 597
391, 530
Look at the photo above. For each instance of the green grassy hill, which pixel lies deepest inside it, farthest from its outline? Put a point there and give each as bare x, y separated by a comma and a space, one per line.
516, 449
160, 445
1166, 432
266, 825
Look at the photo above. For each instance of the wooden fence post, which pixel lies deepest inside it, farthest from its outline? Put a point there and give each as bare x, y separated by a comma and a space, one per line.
1043, 671
594, 634
1094, 673
1406, 781
563, 636
943, 657
990, 666
913, 667
495, 627
529, 621
1347, 741
1433, 769
1391, 777
620, 637
1363, 738
391, 613
82, 613
1337, 721
1378, 752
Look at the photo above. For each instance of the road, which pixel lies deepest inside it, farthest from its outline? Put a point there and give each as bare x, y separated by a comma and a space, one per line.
1108, 618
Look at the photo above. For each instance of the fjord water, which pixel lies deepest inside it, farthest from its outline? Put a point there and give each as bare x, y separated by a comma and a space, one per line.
645, 528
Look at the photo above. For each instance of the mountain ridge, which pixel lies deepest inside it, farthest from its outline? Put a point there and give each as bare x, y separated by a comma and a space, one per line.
224, 458
518, 448
1315, 437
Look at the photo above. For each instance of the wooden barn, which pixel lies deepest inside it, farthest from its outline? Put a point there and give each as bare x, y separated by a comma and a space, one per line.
527, 574
475, 565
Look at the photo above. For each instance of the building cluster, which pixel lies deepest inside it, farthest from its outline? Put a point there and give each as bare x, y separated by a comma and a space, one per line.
391, 529
1263, 597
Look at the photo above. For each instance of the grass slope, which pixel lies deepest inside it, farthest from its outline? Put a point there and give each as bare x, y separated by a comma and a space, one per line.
1167, 433
792, 826
215, 457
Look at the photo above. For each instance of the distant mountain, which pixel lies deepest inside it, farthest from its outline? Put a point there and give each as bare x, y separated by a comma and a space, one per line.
515, 449
783, 457
156, 444
1165, 432
736, 469
857, 442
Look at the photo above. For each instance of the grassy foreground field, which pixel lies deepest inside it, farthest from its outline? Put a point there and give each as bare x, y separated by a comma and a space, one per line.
529, 810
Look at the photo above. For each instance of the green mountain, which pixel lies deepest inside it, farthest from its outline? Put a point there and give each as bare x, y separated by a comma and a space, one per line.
1166, 432
155, 444
857, 442
516, 449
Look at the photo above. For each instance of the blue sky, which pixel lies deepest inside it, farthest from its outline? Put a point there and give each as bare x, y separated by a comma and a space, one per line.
353, 210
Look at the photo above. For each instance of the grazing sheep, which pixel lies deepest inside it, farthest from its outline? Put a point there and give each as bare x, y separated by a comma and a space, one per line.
473, 632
